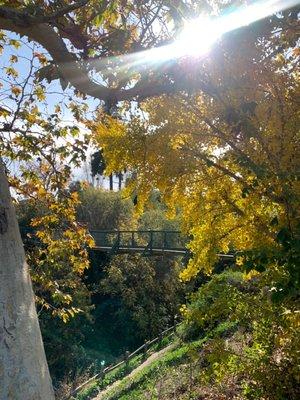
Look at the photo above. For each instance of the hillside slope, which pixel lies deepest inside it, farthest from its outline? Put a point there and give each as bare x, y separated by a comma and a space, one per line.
118, 384
172, 373
235, 343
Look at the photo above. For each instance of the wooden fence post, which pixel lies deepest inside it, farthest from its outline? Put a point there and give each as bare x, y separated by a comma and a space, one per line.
145, 349
101, 376
165, 240
160, 338
126, 359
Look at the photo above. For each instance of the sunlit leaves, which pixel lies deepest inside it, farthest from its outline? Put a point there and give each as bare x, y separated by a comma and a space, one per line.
16, 90
10, 71
226, 155
44, 148
15, 43
60, 258
13, 58
40, 93
41, 57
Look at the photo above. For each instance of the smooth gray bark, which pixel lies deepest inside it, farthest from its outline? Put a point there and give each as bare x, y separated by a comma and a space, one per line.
24, 373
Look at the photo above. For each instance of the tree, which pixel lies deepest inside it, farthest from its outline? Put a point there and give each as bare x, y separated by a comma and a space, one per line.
29, 136
96, 33
80, 38
97, 163
56, 266
102, 210
26, 361
98, 167
227, 154
148, 290
103, 38
28, 133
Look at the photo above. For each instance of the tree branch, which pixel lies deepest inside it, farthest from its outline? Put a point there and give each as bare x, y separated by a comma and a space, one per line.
70, 69
67, 62
219, 167
63, 11
23, 18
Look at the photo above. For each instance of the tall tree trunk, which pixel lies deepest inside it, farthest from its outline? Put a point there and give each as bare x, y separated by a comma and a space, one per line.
120, 178
24, 373
111, 182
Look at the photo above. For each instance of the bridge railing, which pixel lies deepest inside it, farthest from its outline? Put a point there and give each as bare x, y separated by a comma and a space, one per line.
140, 239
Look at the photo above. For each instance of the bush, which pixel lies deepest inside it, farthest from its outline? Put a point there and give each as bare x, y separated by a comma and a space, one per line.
148, 290
262, 350
211, 304
104, 210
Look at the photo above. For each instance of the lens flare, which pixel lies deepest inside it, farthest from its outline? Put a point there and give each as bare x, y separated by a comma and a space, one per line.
199, 34
197, 37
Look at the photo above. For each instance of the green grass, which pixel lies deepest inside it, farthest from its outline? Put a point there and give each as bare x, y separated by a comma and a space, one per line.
144, 379
93, 388
133, 388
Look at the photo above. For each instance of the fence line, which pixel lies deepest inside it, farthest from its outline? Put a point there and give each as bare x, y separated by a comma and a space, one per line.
125, 360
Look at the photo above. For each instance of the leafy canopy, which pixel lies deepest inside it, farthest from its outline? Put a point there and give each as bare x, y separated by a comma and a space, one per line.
228, 154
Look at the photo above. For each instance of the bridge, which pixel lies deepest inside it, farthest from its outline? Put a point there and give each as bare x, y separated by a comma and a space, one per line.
148, 243
145, 242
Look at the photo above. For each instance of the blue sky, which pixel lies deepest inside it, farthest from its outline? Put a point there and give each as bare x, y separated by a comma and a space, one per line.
55, 95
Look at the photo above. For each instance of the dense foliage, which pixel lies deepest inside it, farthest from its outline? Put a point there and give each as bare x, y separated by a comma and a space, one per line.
220, 143
260, 356
234, 343
100, 209
149, 291
232, 170
228, 157
114, 305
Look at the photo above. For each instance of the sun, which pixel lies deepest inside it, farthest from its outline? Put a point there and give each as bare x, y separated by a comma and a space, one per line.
199, 34
197, 37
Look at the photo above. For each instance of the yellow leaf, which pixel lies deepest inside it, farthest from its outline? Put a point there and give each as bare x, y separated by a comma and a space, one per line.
16, 90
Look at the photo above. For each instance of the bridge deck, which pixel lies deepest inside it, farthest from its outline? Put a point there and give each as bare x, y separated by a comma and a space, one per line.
154, 250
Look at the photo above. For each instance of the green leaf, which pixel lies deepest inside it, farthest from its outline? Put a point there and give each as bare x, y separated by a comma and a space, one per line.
245, 192
283, 236
274, 221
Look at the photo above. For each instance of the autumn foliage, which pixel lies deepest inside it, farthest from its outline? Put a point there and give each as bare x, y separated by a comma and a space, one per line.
217, 136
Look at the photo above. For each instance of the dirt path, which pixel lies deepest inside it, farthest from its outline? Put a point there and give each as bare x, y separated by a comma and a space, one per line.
132, 374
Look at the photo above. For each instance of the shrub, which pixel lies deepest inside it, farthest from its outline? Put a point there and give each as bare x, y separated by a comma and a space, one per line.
263, 353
